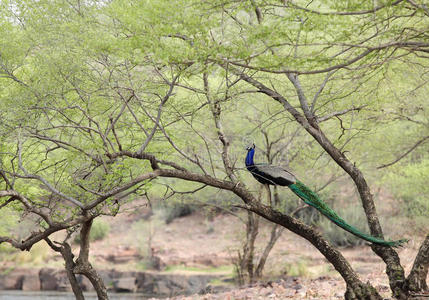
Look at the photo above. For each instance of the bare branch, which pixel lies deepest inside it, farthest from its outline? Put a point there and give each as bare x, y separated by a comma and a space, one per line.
420, 142
216, 112
302, 98
257, 11
122, 188
339, 113
345, 13
422, 7
156, 120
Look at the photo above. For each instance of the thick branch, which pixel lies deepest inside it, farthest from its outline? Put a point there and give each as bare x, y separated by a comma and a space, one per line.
38, 236
294, 225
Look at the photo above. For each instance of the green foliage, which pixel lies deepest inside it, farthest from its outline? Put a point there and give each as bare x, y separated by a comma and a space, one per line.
8, 224
409, 182
170, 210
100, 230
69, 70
298, 268
37, 256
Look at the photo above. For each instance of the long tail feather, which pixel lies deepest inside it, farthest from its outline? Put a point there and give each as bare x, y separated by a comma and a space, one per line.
311, 198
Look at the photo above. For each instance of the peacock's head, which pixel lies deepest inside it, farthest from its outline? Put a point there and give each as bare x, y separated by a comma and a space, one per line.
250, 146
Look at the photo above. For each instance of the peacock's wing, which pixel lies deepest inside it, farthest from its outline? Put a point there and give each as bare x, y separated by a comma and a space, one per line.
275, 174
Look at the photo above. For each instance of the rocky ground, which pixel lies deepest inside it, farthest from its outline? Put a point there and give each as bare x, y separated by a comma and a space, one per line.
195, 254
194, 242
291, 288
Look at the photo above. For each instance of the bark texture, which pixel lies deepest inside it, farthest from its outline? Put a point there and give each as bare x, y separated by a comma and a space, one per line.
68, 257
84, 267
416, 281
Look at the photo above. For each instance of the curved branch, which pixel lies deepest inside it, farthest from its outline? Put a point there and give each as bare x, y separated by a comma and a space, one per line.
405, 154
334, 256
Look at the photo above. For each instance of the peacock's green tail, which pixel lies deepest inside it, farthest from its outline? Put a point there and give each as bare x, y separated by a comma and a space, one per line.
311, 198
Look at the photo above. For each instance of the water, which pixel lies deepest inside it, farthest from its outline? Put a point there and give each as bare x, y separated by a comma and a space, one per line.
46, 295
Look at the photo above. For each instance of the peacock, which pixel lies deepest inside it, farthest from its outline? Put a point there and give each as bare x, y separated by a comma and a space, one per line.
275, 175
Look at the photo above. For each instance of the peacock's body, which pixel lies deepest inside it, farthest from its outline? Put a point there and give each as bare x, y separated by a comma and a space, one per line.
274, 175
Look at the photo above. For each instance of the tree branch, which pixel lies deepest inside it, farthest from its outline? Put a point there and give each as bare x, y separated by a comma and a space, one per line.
420, 142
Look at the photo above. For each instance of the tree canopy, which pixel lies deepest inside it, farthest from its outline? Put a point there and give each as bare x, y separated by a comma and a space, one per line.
105, 100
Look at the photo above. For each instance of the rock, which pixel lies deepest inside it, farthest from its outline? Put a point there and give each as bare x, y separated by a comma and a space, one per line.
11, 281
383, 288
124, 255
125, 284
52, 279
302, 292
265, 291
289, 293
31, 282
150, 283
167, 285
209, 289
154, 263
162, 288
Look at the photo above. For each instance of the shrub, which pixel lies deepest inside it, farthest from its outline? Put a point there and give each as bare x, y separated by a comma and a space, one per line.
298, 268
178, 210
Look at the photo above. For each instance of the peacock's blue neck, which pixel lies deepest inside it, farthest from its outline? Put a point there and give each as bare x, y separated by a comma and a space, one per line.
249, 157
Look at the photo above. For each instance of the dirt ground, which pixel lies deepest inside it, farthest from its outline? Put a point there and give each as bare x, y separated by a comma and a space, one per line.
294, 269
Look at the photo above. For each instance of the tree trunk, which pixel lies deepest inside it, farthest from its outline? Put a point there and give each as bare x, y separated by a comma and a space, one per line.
416, 281
68, 256
253, 234
362, 292
276, 232
356, 289
84, 267
246, 260
70, 264
87, 270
